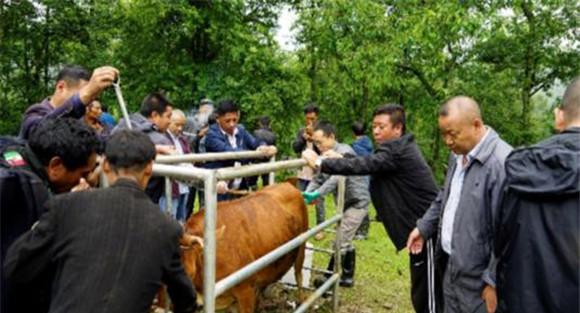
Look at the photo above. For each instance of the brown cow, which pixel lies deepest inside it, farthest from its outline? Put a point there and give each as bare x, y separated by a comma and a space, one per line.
247, 229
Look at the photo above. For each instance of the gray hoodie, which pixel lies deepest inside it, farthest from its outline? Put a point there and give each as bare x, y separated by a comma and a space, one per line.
357, 192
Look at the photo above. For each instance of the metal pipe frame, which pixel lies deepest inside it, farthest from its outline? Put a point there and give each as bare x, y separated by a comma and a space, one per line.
212, 156
228, 173
338, 239
181, 172
332, 281
209, 241
211, 288
168, 196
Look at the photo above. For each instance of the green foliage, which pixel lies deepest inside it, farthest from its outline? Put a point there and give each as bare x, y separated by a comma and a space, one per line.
351, 56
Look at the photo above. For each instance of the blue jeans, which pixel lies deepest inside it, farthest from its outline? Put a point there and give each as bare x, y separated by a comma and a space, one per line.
177, 206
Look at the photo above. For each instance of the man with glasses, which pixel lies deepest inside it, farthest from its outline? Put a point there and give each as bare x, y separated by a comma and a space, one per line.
356, 199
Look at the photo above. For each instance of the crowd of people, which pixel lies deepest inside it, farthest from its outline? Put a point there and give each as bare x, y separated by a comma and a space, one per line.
501, 235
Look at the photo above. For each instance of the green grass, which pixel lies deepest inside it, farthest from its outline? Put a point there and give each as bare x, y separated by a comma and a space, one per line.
382, 282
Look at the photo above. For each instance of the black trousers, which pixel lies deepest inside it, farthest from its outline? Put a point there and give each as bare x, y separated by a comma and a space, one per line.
426, 292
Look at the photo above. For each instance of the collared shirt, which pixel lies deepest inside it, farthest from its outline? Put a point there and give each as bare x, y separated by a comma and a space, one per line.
233, 142
455, 194
183, 188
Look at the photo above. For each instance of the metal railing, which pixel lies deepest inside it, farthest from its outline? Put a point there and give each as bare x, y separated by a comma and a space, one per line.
211, 288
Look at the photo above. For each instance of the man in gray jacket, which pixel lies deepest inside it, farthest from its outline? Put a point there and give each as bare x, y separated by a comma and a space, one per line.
465, 209
153, 120
356, 199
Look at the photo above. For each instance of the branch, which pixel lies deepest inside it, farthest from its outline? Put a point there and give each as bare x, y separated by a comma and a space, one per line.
542, 82
432, 92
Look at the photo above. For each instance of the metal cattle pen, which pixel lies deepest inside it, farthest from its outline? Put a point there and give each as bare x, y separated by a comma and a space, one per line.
210, 177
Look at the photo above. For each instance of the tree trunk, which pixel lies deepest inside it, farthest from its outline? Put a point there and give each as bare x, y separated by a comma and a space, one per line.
365, 100
46, 49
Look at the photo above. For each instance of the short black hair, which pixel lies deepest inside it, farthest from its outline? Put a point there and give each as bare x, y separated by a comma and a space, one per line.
311, 108
73, 74
129, 149
326, 127
154, 102
396, 114
264, 121
227, 106
70, 139
358, 128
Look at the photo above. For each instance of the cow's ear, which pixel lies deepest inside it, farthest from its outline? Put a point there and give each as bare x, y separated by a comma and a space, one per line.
188, 241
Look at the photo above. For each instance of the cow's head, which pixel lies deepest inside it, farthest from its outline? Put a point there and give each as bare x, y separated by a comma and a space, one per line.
192, 252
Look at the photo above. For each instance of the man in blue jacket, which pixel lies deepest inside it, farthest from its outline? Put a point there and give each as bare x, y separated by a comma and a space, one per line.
226, 136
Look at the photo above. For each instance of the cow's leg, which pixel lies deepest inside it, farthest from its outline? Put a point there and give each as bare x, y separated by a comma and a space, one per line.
298, 272
245, 296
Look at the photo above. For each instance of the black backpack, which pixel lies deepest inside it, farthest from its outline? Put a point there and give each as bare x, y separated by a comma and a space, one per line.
22, 195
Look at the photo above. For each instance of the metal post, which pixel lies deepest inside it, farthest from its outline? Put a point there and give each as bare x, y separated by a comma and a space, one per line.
338, 240
209, 240
168, 196
272, 174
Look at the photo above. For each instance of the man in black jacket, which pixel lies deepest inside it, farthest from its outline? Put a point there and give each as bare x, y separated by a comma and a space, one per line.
111, 248
402, 188
538, 241
59, 153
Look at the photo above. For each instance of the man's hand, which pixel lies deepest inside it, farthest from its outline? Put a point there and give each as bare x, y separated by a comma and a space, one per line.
165, 149
102, 78
268, 150
415, 242
310, 156
309, 197
489, 296
202, 132
222, 187
331, 154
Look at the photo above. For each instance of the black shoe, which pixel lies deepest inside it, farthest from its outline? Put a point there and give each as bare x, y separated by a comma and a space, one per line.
348, 266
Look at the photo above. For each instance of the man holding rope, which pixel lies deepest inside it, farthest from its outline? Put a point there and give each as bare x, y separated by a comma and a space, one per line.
75, 89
